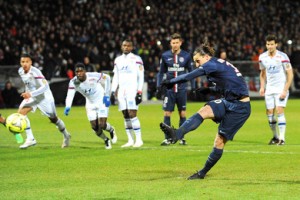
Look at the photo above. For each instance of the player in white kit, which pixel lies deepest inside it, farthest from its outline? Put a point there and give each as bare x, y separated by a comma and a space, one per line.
37, 95
97, 100
129, 79
275, 80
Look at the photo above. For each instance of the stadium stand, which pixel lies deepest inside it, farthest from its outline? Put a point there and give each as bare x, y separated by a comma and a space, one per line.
61, 33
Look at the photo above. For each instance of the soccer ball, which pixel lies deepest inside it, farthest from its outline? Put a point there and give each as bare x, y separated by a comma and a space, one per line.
16, 123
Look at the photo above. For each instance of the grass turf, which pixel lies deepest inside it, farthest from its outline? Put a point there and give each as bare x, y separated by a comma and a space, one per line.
249, 168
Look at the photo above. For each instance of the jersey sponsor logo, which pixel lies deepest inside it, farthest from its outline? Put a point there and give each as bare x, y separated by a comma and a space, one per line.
170, 59
175, 69
89, 91
273, 69
124, 68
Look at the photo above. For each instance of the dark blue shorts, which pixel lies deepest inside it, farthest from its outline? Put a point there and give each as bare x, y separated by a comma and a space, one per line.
171, 98
231, 115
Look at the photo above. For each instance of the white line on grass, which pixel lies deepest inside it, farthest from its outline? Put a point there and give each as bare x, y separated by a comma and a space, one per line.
209, 149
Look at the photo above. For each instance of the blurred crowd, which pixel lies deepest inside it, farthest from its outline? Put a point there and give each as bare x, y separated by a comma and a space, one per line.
61, 33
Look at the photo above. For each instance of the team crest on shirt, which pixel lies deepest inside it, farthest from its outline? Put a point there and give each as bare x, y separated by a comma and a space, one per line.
141, 67
181, 59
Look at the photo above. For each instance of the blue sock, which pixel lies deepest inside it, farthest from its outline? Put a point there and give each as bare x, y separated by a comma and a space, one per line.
167, 120
212, 159
191, 124
182, 120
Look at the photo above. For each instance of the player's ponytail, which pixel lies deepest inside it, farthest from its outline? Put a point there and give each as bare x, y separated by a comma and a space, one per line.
204, 49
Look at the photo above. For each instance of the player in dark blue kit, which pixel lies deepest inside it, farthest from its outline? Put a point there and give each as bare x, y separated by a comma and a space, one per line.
231, 111
173, 63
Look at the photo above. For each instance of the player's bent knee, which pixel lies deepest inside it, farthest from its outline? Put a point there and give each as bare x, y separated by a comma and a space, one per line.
220, 141
53, 120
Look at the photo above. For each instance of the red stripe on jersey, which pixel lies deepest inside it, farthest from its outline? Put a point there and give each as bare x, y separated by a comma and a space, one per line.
138, 62
101, 74
175, 88
285, 61
71, 88
39, 77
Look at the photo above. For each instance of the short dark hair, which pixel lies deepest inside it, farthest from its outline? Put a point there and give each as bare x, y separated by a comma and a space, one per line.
128, 40
26, 55
176, 36
80, 65
271, 37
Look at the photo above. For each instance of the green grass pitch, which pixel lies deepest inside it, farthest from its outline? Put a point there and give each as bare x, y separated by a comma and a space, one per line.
249, 168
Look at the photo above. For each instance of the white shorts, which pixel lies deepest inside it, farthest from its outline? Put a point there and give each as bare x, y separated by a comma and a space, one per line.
272, 101
46, 106
127, 103
95, 111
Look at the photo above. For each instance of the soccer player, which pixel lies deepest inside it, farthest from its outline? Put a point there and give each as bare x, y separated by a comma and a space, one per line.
37, 95
276, 76
97, 100
174, 62
231, 111
129, 79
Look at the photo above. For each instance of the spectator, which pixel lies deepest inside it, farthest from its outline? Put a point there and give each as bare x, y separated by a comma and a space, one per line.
10, 95
295, 57
88, 66
2, 105
62, 28
223, 55
151, 80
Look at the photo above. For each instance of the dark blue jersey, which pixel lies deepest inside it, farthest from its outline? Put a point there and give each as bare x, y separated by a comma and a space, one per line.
227, 78
174, 65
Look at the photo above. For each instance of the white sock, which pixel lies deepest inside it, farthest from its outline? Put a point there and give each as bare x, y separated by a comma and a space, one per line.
136, 125
29, 134
61, 127
108, 127
128, 128
272, 124
281, 126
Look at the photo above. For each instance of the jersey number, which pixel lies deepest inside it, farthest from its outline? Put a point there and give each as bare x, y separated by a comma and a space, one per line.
238, 73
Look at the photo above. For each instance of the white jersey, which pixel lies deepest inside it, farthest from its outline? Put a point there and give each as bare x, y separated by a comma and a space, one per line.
128, 75
41, 95
275, 67
36, 84
91, 89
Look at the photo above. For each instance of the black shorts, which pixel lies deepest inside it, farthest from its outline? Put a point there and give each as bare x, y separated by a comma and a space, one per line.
231, 115
171, 98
